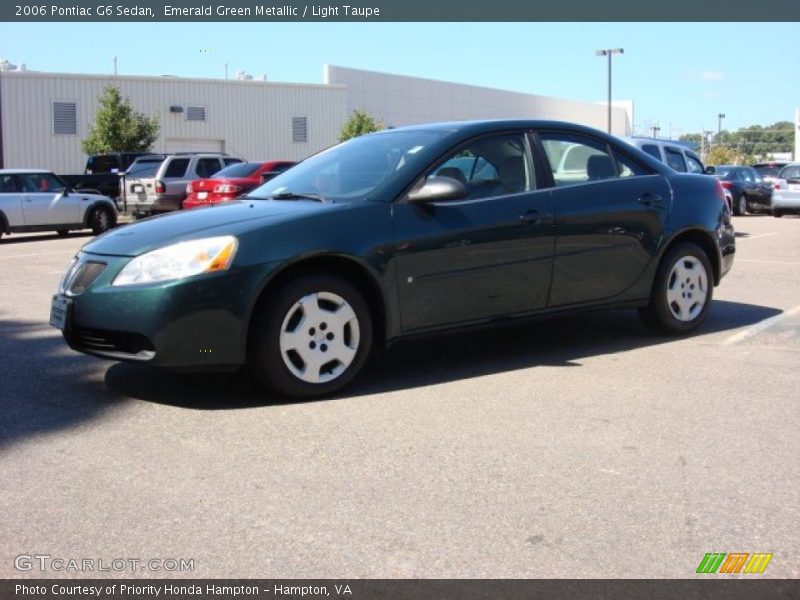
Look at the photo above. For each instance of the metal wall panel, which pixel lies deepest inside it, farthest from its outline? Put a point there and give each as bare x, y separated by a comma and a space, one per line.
253, 119
399, 100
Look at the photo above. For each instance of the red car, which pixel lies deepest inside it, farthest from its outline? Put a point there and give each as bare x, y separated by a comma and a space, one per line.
232, 181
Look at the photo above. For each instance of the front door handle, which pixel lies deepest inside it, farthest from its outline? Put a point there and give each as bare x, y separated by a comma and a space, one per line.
530, 216
651, 200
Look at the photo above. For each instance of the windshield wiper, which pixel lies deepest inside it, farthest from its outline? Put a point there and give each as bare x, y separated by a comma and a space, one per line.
293, 196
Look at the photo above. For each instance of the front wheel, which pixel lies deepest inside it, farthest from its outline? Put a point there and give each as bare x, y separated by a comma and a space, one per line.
311, 338
682, 290
101, 220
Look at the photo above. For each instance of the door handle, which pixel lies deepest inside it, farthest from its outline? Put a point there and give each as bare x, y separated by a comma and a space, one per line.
28, 199
651, 200
530, 216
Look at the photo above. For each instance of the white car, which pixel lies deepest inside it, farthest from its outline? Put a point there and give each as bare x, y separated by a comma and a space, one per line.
37, 200
786, 192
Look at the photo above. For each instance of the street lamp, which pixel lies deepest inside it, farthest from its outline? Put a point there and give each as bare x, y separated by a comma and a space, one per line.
655, 129
720, 116
609, 52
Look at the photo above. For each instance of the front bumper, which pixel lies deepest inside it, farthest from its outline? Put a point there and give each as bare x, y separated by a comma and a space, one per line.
198, 322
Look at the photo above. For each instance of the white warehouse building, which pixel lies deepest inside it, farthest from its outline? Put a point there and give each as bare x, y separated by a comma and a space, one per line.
44, 116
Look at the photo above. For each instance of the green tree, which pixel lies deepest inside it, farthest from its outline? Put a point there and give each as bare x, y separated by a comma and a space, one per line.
359, 123
119, 128
721, 155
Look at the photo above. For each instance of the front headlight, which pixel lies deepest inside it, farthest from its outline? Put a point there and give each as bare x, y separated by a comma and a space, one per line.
183, 259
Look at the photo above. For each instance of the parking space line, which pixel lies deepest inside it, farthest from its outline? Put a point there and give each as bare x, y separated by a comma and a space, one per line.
765, 324
768, 262
755, 237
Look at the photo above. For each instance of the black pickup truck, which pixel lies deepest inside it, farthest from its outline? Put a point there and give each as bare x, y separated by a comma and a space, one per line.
103, 172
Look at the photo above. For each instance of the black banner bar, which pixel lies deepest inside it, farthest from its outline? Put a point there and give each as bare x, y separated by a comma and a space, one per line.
392, 589
155, 11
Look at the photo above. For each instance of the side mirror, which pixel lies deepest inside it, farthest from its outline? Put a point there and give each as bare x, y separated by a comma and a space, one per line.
436, 188
710, 170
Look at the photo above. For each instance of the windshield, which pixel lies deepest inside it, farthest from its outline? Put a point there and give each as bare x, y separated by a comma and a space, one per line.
143, 168
352, 169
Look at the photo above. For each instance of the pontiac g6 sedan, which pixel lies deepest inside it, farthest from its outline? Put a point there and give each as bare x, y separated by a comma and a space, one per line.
403, 232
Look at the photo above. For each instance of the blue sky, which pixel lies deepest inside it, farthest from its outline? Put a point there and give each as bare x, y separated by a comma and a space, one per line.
679, 75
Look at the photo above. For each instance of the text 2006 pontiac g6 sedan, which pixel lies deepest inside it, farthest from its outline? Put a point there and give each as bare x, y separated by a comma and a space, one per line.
406, 231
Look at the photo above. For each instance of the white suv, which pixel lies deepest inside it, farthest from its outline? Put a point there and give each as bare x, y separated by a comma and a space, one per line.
675, 155
38, 200
162, 187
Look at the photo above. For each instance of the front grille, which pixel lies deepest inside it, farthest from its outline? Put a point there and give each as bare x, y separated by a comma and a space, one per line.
118, 344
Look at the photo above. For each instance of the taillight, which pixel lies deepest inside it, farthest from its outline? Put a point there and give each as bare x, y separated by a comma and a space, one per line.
189, 188
726, 184
777, 185
160, 187
720, 192
226, 188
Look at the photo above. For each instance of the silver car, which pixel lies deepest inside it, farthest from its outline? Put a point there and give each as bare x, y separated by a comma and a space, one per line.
37, 200
162, 187
786, 192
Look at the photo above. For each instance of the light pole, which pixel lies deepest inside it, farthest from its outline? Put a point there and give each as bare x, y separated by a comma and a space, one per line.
655, 129
720, 116
609, 52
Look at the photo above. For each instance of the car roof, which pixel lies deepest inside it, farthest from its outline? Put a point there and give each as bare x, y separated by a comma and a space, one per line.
490, 125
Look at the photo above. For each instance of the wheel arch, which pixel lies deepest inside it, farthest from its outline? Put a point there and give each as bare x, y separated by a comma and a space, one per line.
702, 239
350, 269
4, 227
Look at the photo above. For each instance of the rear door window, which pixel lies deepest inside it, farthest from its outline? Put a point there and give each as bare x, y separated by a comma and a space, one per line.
176, 168
206, 167
653, 151
575, 159
675, 159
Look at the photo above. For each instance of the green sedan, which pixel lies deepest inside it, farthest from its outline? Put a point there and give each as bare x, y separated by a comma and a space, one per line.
404, 232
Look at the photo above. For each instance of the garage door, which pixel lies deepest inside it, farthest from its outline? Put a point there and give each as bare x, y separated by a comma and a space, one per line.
187, 145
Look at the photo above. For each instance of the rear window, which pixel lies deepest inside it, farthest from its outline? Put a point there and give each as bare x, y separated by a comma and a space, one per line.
146, 168
176, 167
768, 170
102, 163
675, 160
723, 171
239, 170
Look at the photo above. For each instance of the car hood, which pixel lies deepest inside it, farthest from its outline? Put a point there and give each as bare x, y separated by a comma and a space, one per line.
229, 218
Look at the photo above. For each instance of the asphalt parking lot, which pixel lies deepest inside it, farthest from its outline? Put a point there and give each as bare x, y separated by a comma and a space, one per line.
577, 447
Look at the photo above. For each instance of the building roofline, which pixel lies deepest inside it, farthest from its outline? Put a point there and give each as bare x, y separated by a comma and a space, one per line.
165, 78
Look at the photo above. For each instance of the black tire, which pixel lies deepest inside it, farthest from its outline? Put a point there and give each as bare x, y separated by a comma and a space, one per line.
661, 314
101, 220
740, 205
777, 213
270, 364
62, 232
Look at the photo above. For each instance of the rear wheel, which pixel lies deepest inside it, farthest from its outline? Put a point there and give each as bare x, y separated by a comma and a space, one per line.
312, 338
777, 213
682, 290
63, 232
740, 205
101, 220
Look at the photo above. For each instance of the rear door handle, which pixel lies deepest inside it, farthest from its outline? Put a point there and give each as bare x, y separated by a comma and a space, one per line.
651, 200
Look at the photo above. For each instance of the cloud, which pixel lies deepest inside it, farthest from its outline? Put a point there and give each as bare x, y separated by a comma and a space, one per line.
712, 76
